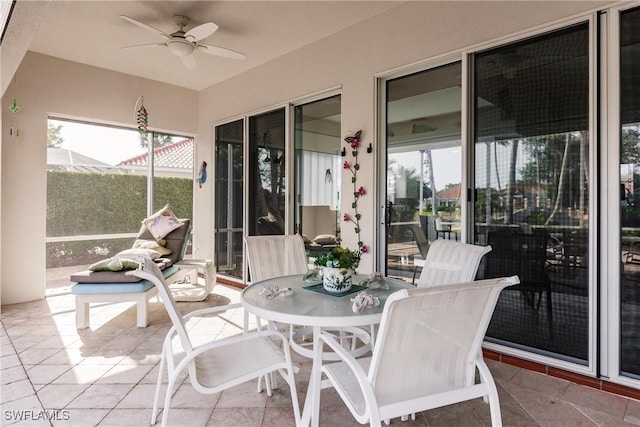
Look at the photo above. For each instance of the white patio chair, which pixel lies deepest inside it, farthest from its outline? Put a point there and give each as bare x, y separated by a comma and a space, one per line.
425, 354
449, 261
217, 365
280, 255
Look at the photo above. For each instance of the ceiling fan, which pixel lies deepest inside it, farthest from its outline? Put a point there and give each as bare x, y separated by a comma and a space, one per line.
184, 45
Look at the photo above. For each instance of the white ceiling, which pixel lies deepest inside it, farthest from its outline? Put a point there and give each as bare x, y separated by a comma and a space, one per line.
92, 33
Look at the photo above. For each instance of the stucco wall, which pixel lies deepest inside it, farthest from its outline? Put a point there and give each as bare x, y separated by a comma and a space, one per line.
406, 34
44, 85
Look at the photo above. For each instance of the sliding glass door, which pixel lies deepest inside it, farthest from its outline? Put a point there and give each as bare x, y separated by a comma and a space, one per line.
423, 165
533, 186
629, 234
229, 198
266, 167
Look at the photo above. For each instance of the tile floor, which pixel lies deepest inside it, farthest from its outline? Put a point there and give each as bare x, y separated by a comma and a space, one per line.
105, 376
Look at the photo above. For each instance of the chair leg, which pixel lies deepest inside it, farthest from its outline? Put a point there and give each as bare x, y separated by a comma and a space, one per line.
154, 412
167, 400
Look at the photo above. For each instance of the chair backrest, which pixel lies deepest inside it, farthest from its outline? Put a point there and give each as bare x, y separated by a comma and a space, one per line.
519, 254
449, 261
152, 273
421, 239
436, 332
272, 256
177, 240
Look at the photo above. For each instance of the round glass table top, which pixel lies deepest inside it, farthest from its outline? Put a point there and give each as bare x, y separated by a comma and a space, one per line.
308, 305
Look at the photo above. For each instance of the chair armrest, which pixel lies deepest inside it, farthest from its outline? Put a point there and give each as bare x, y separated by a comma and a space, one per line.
352, 363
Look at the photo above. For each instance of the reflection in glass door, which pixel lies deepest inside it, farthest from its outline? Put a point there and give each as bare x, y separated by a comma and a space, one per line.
318, 173
267, 174
532, 189
630, 193
423, 165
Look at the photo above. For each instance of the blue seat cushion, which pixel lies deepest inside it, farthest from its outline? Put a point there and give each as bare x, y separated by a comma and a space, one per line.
118, 287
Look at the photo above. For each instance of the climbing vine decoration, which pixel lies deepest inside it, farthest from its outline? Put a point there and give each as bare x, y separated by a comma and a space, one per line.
358, 191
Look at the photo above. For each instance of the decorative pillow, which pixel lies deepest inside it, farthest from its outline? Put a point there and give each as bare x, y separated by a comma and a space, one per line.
150, 244
114, 264
325, 239
138, 252
162, 222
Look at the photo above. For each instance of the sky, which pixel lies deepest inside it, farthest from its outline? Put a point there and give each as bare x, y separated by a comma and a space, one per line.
109, 145
447, 165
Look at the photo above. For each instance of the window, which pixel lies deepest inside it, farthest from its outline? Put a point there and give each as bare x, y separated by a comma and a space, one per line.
98, 190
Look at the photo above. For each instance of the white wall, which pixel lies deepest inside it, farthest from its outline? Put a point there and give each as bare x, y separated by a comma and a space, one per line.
408, 33
44, 85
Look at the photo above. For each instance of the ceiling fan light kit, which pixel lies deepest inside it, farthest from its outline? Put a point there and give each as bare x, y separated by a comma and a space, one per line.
184, 45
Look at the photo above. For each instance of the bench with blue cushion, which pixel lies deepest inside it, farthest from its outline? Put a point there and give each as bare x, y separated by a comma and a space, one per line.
117, 286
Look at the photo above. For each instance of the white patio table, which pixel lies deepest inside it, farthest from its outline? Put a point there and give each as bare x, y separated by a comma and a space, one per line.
316, 309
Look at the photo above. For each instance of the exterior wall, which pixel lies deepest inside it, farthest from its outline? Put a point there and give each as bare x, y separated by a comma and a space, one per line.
405, 34
44, 85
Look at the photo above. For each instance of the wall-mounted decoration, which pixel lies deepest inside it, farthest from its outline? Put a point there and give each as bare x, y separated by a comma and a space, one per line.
141, 116
14, 129
202, 176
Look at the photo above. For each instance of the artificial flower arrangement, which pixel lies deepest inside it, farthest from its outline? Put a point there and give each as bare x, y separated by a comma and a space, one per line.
339, 257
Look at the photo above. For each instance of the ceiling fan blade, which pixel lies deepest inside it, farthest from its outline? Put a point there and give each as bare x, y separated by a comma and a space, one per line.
145, 26
220, 51
201, 31
189, 61
142, 46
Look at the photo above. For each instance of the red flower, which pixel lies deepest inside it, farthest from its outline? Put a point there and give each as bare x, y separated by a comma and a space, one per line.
364, 249
346, 218
361, 191
354, 143
346, 165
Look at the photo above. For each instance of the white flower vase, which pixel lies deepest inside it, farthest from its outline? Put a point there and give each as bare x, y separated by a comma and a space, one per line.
336, 280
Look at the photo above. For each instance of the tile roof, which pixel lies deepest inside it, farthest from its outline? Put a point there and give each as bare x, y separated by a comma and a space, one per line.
178, 155
452, 192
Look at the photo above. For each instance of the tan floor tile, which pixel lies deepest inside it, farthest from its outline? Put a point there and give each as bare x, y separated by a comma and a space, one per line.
9, 361
606, 420
243, 395
528, 381
633, 412
459, 414
44, 374
82, 374
141, 396
102, 396
188, 417
68, 356
141, 357
55, 396
125, 374
10, 375
16, 390
126, 418
588, 397
233, 417
33, 356
188, 397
